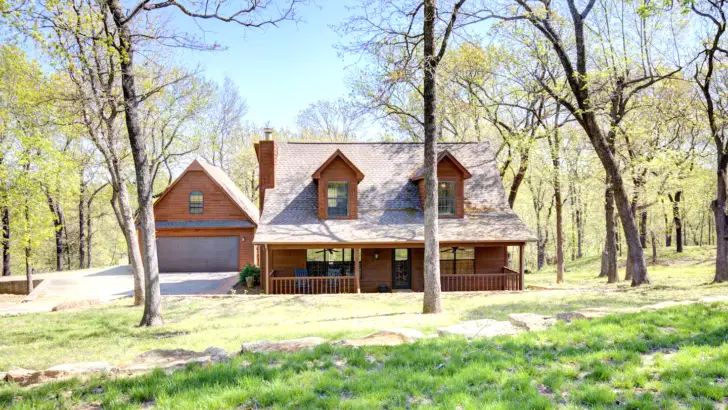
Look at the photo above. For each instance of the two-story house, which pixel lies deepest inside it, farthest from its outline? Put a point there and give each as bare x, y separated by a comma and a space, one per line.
347, 217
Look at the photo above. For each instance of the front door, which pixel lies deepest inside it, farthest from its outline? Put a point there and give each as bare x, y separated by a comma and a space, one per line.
402, 269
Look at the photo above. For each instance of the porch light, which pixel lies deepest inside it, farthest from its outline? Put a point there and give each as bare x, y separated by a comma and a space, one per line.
376, 255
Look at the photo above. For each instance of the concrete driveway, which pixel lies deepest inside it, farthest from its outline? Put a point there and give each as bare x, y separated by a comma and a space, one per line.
112, 283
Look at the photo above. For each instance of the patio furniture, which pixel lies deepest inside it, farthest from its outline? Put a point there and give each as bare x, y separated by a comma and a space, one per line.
333, 284
302, 284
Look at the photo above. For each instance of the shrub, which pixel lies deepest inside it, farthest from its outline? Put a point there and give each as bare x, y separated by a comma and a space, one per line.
250, 270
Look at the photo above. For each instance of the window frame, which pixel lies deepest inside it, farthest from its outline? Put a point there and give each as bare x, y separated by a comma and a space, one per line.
454, 183
337, 199
197, 205
455, 259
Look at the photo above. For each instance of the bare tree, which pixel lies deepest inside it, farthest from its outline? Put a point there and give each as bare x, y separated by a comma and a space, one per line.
710, 77
336, 120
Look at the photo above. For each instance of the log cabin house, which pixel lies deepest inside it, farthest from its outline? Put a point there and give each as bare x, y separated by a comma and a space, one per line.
347, 218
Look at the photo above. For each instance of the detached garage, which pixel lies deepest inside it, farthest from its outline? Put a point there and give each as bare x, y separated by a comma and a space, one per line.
204, 223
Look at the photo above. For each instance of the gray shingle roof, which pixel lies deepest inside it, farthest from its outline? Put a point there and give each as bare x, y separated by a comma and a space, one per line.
389, 203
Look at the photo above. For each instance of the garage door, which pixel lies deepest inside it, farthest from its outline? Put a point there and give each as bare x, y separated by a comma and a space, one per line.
198, 254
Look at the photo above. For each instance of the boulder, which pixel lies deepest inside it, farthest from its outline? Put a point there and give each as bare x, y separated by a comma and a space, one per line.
713, 299
531, 321
288, 346
73, 304
19, 375
569, 316
480, 328
175, 358
26, 377
387, 337
667, 304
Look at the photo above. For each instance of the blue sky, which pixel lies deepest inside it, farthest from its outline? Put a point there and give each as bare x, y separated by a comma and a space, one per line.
280, 70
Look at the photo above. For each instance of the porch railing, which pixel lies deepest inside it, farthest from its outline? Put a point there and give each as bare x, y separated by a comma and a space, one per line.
312, 285
508, 280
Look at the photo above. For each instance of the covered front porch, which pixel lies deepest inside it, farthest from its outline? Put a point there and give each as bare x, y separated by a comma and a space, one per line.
369, 268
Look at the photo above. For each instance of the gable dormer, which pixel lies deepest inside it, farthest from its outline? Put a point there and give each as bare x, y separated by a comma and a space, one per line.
451, 176
338, 180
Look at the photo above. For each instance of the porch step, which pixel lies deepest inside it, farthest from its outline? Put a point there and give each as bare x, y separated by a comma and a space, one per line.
401, 290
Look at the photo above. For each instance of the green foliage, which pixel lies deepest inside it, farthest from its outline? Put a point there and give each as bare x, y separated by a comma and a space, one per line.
248, 271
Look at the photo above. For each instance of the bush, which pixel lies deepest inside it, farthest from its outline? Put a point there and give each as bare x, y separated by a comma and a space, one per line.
250, 270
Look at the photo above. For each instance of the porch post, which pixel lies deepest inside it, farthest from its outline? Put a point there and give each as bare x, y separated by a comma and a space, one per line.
267, 269
357, 270
520, 268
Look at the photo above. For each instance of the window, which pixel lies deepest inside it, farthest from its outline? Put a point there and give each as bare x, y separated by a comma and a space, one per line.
320, 261
338, 199
446, 198
196, 202
457, 261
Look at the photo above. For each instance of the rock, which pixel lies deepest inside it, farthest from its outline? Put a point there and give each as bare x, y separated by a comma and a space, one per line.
713, 299
387, 337
73, 304
569, 316
480, 328
19, 375
26, 377
531, 321
667, 304
288, 346
175, 358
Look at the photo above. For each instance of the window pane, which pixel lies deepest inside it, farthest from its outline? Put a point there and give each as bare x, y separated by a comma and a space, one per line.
400, 254
466, 253
315, 255
446, 198
334, 255
196, 202
338, 198
446, 254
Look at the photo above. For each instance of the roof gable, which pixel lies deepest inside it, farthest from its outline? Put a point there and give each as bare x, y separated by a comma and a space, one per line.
338, 154
420, 172
220, 178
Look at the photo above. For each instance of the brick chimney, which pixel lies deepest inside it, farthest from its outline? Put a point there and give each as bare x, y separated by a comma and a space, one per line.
267, 154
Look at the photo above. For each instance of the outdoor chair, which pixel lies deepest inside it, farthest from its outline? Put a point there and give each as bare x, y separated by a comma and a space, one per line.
302, 284
333, 284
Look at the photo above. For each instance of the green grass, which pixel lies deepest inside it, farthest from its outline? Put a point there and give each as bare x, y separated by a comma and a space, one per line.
109, 333
672, 359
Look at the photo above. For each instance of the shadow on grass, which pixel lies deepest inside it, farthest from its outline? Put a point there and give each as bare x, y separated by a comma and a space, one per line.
596, 363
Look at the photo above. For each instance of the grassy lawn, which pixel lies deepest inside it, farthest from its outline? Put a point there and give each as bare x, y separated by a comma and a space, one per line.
671, 359
108, 333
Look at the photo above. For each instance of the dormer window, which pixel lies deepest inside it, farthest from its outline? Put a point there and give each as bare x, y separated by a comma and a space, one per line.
196, 202
338, 199
446, 198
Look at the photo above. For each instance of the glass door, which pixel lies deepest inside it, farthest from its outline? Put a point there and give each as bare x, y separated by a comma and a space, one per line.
401, 269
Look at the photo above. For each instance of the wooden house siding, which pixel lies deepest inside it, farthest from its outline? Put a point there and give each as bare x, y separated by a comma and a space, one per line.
338, 170
448, 171
217, 205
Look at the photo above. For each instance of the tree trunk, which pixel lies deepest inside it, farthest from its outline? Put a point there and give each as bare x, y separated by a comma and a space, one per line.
677, 221
721, 226
643, 229
123, 212
668, 232
555, 148
6, 241
432, 302
89, 235
654, 248
579, 231
28, 254
82, 225
152, 305
609, 256
58, 228
518, 179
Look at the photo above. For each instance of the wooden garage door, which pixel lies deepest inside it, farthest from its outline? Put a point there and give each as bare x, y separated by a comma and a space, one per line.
198, 254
